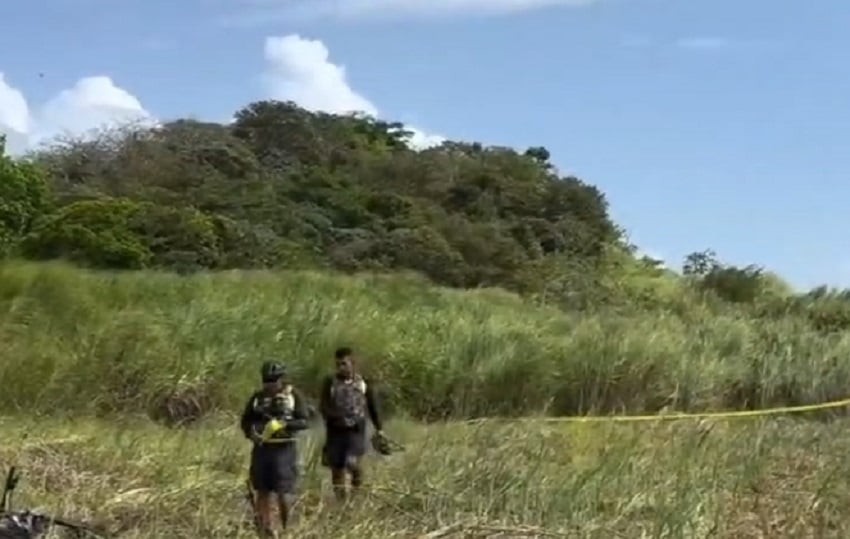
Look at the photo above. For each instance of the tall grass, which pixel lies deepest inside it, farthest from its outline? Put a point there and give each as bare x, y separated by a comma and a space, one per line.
750, 480
76, 343
84, 342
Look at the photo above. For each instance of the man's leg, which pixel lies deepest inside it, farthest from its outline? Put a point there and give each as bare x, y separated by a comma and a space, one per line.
285, 501
263, 488
356, 448
335, 452
264, 513
355, 468
338, 477
286, 479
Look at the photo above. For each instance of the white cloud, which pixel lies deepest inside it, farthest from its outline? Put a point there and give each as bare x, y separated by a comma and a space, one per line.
300, 70
14, 117
92, 103
257, 12
420, 139
14, 111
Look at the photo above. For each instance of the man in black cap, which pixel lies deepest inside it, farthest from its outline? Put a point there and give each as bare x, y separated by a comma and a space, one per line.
346, 399
271, 418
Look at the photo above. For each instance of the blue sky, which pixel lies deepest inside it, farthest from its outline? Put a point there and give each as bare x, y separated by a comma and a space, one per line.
708, 123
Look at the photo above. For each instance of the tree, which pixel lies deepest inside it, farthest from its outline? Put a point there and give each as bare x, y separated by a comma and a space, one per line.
700, 263
283, 186
731, 283
24, 197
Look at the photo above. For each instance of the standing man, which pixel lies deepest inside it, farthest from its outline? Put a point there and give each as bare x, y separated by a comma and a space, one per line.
270, 420
346, 399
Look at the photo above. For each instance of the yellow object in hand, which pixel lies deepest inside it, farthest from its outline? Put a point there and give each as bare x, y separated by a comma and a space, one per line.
273, 428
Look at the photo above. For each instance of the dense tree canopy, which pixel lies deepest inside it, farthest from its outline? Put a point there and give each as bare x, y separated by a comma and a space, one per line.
282, 187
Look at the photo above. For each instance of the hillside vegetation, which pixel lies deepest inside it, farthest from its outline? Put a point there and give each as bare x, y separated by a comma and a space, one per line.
146, 273
313, 195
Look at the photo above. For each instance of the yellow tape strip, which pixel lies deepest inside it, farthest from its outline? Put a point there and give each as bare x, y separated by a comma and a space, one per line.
680, 415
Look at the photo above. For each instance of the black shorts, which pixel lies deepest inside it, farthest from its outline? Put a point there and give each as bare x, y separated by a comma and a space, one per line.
274, 468
343, 447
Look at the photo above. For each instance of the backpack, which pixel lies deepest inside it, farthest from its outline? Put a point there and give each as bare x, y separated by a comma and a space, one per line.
279, 406
273, 409
349, 398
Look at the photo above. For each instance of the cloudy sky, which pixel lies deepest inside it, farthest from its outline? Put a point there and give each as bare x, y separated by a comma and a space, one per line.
719, 124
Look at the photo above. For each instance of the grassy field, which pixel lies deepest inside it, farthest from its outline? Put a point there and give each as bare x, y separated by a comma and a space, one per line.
102, 343
91, 364
749, 479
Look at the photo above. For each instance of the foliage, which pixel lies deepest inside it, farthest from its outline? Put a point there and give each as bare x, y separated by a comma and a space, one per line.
24, 196
123, 234
586, 325
299, 188
733, 284
282, 197
285, 188
95, 232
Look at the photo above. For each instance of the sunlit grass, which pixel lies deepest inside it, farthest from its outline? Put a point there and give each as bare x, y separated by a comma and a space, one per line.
747, 479
89, 362
146, 338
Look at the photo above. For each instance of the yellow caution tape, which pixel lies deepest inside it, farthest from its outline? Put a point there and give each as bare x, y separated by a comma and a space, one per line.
680, 415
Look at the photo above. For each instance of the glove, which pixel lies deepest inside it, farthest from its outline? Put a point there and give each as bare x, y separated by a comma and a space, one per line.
381, 444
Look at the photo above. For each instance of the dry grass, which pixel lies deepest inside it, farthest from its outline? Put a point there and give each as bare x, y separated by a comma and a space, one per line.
748, 479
